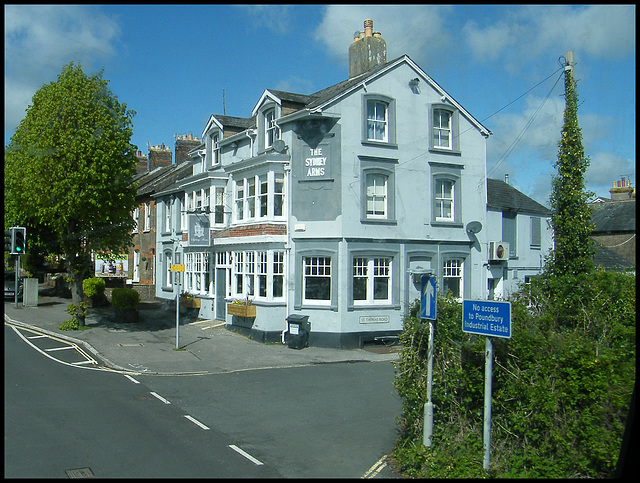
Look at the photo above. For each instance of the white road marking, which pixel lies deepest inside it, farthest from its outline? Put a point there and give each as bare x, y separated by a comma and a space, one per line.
376, 468
160, 397
246, 455
37, 337
60, 348
195, 421
131, 379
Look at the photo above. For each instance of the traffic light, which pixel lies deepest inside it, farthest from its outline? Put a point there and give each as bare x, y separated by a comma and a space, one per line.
7, 241
18, 239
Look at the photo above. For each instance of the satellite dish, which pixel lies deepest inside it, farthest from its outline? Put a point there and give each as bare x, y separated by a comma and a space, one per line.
279, 146
474, 227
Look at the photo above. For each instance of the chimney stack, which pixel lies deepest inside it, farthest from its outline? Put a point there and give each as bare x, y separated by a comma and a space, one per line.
367, 51
622, 190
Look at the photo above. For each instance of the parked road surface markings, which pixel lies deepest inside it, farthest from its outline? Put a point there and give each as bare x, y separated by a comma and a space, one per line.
245, 454
376, 468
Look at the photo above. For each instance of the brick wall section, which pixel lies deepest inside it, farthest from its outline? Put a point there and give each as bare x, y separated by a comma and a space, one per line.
251, 230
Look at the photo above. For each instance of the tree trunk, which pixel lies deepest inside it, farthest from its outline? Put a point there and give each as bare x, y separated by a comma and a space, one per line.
77, 297
77, 264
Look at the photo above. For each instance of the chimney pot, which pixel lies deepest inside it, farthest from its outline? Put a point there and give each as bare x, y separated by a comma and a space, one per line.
368, 27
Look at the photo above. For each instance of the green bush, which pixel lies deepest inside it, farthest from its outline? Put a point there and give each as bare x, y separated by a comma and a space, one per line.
125, 298
562, 385
93, 286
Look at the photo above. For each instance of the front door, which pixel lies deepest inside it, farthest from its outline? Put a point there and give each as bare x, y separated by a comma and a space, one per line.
221, 292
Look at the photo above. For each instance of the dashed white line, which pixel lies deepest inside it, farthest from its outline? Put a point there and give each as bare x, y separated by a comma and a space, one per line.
246, 455
196, 422
160, 397
37, 337
131, 379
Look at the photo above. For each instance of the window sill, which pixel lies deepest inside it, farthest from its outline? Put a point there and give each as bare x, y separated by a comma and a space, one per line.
378, 221
448, 224
379, 144
453, 152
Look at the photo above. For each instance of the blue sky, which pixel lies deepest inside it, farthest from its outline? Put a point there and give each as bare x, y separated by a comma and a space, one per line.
172, 63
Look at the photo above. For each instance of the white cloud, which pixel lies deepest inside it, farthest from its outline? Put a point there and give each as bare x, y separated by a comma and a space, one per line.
419, 31
40, 40
603, 31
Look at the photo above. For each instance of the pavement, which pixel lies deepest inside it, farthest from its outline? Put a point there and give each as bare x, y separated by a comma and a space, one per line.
149, 346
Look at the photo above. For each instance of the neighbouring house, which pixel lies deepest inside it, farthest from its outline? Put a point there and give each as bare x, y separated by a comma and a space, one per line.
155, 172
522, 238
615, 228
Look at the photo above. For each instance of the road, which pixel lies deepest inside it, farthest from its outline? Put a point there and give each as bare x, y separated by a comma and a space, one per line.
65, 419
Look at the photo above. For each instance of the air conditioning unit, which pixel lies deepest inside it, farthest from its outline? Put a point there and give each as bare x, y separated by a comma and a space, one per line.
498, 251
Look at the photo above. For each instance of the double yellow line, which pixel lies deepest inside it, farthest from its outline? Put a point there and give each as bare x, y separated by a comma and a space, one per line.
376, 468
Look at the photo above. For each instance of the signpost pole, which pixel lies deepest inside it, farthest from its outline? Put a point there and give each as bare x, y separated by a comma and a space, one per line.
177, 310
488, 374
428, 310
428, 407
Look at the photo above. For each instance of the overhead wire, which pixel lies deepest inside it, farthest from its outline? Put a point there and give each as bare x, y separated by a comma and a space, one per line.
526, 127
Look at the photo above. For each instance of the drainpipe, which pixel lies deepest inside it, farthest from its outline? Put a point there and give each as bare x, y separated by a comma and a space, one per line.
287, 180
247, 133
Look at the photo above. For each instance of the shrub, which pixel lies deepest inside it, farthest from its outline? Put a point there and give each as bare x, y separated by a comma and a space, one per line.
562, 385
93, 286
125, 298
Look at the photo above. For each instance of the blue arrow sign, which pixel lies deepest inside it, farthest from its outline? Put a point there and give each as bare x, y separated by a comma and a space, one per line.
487, 317
428, 298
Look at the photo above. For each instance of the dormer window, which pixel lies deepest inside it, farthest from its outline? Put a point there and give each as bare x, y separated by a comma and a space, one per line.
215, 149
270, 128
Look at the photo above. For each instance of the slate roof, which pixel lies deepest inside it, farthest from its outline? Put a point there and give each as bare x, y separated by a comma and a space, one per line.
614, 216
609, 259
161, 178
503, 197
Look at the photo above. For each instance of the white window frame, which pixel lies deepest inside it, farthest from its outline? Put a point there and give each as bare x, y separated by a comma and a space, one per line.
453, 269
254, 274
239, 202
376, 193
136, 218
374, 121
316, 268
218, 208
136, 266
251, 202
440, 199
167, 215
147, 216
168, 274
271, 131
370, 270
440, 131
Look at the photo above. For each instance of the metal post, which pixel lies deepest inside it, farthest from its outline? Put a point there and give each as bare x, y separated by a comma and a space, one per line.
488, 370
177, 310
428, 407
17, 278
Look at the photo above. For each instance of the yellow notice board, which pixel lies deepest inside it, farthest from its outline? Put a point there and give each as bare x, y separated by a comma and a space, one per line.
177, 268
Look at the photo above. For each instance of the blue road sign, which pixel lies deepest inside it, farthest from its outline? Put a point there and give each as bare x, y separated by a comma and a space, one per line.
487, 317
428, 298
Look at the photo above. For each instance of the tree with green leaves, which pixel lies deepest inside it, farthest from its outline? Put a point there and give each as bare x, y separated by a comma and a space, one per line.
69, 173
571, 215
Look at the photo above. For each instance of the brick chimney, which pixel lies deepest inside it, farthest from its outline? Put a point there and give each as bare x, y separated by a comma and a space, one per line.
184, 144
159, 156
367, 51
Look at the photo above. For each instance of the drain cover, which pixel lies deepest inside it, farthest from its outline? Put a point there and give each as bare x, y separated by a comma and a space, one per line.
80, 473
